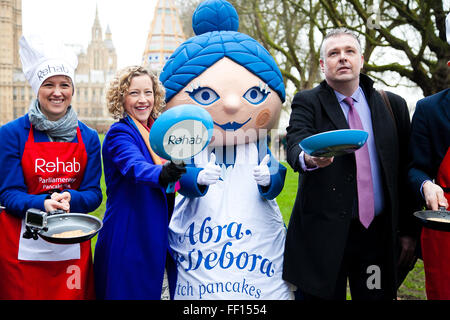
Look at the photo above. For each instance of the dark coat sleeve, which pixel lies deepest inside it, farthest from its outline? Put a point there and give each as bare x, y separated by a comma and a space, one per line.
301, 126
421, 148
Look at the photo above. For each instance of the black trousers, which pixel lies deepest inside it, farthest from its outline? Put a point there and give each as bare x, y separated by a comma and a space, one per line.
363, 264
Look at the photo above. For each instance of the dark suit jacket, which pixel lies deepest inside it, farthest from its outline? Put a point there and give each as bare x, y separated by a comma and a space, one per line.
430, 138
326, 197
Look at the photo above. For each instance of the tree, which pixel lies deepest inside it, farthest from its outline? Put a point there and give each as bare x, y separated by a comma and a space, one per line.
288, 32
401, 39
186, 9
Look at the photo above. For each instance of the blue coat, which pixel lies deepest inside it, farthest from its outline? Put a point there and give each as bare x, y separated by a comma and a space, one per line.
132, 247
13, 191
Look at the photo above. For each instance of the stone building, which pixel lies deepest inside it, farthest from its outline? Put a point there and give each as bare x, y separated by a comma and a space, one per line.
96, 67
13, 98
96, 64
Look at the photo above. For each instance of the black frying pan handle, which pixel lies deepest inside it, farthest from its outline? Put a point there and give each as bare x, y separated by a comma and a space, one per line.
57, 211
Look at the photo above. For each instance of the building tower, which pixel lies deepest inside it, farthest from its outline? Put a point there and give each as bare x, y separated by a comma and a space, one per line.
95, 69
110, 52
101, 53
165, 35
10, 32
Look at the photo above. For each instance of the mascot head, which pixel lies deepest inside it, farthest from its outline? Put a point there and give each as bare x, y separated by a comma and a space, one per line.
228, 73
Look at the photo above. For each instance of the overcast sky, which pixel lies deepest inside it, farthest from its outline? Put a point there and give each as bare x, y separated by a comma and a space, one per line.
72, 20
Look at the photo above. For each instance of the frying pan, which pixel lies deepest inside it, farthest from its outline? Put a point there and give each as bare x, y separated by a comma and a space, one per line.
334, 143
426, 219
69, 222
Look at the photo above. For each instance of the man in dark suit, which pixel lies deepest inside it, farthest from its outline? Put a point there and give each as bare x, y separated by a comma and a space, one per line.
430, 179
329, 239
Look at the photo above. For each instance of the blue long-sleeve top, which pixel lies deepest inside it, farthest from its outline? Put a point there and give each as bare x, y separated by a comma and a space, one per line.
13, 190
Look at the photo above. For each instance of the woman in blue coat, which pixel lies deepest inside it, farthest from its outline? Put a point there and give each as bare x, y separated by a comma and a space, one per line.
131, 251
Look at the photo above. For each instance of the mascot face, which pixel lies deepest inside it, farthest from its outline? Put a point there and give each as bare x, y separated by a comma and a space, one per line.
242, 105
228, 73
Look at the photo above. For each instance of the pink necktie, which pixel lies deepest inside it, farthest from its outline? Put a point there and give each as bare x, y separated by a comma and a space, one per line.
363, 171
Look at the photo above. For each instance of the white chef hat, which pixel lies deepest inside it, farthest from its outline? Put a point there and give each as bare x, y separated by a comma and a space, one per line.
42, 59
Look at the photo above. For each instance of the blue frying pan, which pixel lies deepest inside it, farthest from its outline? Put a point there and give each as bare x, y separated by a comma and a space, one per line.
180, 133
334, 143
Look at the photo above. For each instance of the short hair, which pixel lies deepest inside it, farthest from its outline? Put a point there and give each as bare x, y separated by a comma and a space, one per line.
120, 84
335, 33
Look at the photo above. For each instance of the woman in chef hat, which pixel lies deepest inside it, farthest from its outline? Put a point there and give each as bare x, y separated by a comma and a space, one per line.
49, 161
226, 232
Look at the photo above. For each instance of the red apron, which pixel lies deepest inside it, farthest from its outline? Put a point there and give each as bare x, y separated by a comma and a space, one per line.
36, 269
436, 247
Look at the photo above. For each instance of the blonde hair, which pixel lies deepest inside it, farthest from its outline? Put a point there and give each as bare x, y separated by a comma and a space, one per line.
119, 86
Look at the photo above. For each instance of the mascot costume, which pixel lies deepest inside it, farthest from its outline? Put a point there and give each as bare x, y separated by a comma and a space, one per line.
227, 233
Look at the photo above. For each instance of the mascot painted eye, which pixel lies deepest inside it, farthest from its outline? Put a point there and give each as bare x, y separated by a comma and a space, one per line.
255, 95
204, 96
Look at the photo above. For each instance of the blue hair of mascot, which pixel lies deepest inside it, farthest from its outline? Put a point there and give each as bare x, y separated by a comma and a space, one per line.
215, 23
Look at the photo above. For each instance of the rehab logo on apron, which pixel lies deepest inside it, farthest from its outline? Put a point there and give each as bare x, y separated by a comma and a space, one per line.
49, 166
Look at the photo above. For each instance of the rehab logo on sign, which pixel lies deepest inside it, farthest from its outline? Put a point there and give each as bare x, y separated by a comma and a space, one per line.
181, 133
186, 137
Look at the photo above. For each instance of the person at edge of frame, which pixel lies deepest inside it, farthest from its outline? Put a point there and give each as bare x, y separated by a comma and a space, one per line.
429, 178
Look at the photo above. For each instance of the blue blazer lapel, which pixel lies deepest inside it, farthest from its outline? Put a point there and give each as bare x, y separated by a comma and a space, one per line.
446, 103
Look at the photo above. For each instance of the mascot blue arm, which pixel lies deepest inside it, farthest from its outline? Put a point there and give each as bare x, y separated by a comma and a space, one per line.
191, 189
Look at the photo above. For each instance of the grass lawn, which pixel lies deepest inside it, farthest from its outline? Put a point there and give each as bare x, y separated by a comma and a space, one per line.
413, 287
101, 209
